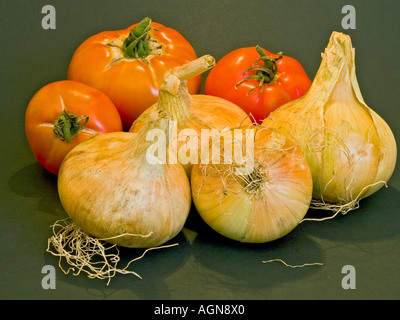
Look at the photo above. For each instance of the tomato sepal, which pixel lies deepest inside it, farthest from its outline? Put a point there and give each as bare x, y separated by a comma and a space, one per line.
68, 125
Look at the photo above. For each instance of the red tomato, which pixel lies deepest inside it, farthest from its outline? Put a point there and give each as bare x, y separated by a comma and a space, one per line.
129, 65
61, 115
257, 80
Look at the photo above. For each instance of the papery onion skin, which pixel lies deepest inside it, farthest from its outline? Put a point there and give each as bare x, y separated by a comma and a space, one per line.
194, 112
262, 207
108, 191
213, 112
350, 149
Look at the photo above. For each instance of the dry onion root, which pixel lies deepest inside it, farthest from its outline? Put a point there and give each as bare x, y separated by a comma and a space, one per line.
86, 254
294, 266
350, 149
256, 199
340, 208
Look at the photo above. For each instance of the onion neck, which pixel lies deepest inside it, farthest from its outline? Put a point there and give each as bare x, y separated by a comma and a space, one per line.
338, 56
140, 142
176, 105
174, 96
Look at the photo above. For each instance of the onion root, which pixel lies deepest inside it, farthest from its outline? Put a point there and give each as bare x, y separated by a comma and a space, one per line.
294, 266
83, 253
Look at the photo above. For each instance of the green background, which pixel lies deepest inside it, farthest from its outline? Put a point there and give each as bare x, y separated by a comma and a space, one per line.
204, 265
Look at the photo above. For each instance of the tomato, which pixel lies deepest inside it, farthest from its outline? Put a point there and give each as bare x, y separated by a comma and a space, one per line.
129, 65
257, 80
61, 115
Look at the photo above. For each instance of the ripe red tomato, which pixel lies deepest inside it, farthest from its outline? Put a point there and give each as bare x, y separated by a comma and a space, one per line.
129, 65
61, 115
257, 80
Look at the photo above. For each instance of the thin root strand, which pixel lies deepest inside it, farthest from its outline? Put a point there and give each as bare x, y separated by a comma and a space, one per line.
84, 253
294, 266
339, 208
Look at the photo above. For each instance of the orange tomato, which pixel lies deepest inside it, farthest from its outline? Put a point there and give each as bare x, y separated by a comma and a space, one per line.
131, 75
64, 113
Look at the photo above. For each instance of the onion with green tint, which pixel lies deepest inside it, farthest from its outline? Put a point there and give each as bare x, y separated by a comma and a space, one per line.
350, 149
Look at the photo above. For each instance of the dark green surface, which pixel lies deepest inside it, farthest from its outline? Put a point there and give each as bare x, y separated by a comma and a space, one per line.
204, 265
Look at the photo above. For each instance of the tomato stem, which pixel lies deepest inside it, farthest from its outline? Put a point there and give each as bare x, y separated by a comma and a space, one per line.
264, 74
136, 44
68, 125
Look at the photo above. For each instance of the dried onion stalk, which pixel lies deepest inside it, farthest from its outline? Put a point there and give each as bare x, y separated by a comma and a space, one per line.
192, 113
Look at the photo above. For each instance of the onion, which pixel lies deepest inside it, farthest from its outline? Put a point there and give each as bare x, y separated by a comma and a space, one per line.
111, 191
192, 113
350, 149
255, 198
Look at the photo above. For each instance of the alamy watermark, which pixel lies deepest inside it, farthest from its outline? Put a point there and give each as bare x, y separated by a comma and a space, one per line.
349, 280
227, 147
49, 278
349, 20
49, 20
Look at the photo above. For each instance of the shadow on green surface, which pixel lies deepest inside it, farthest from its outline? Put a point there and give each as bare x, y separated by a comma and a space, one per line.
232, 266
241, 266
34, 181
377, 218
